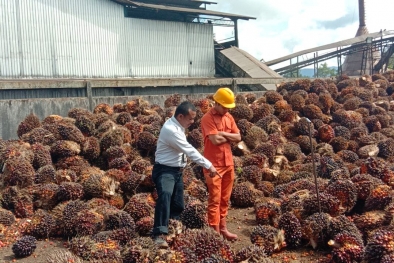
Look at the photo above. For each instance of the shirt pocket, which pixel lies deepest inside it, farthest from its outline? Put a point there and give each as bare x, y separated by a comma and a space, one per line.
227, 124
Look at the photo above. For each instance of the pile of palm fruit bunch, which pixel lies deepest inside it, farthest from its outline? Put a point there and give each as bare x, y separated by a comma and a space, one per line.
87, 177
340, 131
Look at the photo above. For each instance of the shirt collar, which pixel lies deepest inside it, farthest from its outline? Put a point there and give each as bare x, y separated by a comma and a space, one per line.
176, 122
214, 112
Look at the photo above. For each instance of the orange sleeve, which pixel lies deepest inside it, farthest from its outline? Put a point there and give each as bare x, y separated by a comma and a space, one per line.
208, 126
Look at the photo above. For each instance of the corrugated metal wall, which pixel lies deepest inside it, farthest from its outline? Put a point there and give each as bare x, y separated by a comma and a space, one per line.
92, 38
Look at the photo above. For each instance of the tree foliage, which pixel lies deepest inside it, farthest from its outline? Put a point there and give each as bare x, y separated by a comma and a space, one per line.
294, 75
324, 71
391, 63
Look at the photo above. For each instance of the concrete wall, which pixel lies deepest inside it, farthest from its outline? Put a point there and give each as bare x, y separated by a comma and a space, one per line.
15, 111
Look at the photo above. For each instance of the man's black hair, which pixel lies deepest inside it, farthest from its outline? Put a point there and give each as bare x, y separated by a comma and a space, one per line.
184, 108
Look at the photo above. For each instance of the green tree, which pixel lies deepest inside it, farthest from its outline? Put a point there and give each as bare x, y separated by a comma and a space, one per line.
324, 71
294, 75
391, 63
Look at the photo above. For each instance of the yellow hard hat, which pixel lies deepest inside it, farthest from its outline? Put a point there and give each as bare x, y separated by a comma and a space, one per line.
225, 97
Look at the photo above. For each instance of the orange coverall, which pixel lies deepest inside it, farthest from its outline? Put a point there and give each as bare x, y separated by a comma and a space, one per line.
222, 158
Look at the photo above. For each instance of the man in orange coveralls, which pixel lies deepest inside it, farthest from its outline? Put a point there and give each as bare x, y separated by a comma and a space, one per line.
219, 129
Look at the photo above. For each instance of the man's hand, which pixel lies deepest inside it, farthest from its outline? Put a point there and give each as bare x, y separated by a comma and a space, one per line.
213, 172
231, 137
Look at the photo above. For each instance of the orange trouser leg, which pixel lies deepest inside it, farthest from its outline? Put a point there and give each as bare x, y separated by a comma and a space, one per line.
219, 193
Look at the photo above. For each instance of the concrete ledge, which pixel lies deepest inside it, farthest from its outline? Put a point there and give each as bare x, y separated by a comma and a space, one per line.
8, 84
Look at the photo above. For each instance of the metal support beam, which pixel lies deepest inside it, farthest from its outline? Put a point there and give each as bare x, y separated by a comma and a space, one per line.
236, 32
235, 86
89, 95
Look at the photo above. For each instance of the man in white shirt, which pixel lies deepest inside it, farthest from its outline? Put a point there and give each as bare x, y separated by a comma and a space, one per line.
170, 159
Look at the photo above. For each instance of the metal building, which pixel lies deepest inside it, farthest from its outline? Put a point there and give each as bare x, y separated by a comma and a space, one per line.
107, 39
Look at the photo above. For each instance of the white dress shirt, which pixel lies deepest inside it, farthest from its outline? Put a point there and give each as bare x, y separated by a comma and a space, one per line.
172, 144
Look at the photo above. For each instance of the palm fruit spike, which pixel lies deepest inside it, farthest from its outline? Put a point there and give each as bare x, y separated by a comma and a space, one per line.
120, 164
118, 219
292, 229
172, 100
257, 159
7, 218
141, 249
103, 107
146, 141
329, 204
269, 238
69, 213
18, 171
132, 183
22, 203
42, 155
242, 111
252, 253
99, 185
346, 248
116, 174
372, 220
203, 243
24, 247
144, 226
116, 200
45, 196
379, 198
45, 174
379, 244
244, 194
69, 191
70, 133
62, 148
365, 183
254, 136
251, 173
267, 211
139, 206
39, 135
315, 228
293, 203
41, 225
87, 222
261, 111
91, 148
111, 138
292, 187
345, 191
198, 189
65, 175
341, 224
87, 248
194, 216
29, 123
195, 138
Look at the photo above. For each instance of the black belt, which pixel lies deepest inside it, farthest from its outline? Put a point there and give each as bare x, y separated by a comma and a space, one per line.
180, 169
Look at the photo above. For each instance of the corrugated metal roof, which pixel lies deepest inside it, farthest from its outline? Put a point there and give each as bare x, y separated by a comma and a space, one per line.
342, 43
250, 66
183, 10
253, 67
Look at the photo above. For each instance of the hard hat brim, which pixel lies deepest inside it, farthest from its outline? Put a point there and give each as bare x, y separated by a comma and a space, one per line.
228, 106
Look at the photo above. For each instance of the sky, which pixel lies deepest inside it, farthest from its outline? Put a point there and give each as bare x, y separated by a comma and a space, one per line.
283, 27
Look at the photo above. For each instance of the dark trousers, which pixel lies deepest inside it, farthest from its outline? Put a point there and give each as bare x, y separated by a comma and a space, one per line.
170, 203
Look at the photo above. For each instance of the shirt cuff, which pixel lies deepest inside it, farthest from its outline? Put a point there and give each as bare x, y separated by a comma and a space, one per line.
207, 164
